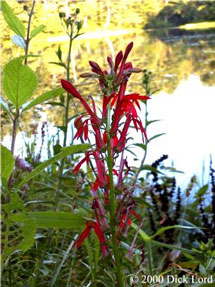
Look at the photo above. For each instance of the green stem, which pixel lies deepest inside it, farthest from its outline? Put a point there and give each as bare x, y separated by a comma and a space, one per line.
15, 124
27, 41
149, 255
146, 145
112, 204
68, 95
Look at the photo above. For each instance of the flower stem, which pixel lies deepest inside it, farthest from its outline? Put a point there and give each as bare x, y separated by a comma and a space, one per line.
27, 41
149, 255
68, 95
112, 204
146, 146
15, 124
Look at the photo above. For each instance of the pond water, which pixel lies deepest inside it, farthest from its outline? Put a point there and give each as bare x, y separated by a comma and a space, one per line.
182, 62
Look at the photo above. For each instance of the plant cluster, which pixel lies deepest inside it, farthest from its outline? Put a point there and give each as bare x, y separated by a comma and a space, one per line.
86, 216
180, 13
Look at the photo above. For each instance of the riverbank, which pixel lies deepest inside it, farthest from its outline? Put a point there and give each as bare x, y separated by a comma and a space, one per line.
196, 26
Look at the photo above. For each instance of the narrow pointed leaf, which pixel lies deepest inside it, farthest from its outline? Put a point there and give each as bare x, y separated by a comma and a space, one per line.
58, 64
12, 20
143, 146
202, 191
43, 98
156, 136
64, 152
174, 247
151, 122
142, 233
172, 169
55, 219
149, 167
37, 30
163, 229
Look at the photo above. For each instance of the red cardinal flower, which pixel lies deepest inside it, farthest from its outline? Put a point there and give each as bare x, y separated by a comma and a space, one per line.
71, 89
85, 233
101, 238
119, 70
124, 110
85, 159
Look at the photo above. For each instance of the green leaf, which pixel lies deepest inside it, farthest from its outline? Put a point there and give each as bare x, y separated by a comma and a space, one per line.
142, 233
62, 128
54, 219
175, 247
96, 251
43, 98
12, 20
55, 104
151, 122
59, 53
201, 191
7, 163
163, 229
206, 284
64, 152
57, 148
89, 253
19, 82
5, 106
149, 167
202, 269
58, 64
37, 30
172, 169
66, 254
14, 204
156, 136
143, 146
20, 228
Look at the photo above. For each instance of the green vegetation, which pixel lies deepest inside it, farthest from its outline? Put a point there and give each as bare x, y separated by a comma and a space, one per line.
179, 13
75, 211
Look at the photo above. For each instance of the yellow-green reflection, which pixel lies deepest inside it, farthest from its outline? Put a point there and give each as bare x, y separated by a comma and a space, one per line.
108, 27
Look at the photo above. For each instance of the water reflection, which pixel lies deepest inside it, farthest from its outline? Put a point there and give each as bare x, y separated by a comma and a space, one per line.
172, 55
187, 116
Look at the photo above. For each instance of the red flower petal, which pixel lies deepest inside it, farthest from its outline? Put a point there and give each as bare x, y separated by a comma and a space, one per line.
71, 89
122, 140
118, 60
135, 214
96, 68
101, 238
115, 172
83, 235
136, 97
100, 167
128, 50
86, 132
76, 169
79, 132
105, 137
110, 62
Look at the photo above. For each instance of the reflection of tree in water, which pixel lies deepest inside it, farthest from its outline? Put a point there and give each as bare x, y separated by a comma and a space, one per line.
192, 50
171, 57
